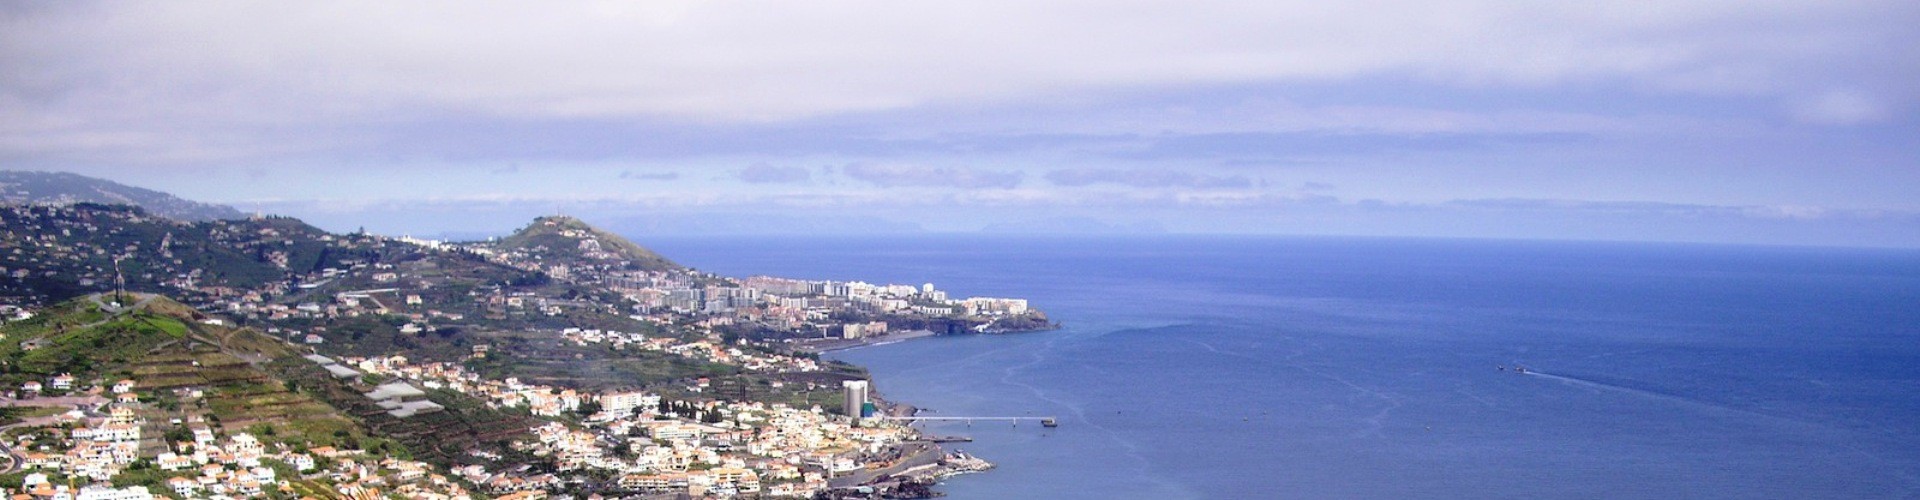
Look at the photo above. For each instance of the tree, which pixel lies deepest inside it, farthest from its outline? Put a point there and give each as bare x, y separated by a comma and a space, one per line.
589, 407
179, 434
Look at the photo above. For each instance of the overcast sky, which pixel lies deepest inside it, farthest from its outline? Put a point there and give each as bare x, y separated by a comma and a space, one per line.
1747, 121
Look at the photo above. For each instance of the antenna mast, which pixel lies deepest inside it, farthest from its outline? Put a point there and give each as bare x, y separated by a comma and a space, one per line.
119, 281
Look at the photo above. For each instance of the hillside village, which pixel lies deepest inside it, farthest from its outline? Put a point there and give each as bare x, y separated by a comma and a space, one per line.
560, 360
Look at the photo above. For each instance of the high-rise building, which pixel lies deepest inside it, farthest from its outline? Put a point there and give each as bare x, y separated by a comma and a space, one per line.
856, 397
624, 403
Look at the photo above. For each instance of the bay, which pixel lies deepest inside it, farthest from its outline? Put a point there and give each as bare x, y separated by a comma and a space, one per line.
1270, 367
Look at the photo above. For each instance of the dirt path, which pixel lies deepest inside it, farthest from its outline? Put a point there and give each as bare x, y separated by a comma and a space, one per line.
115, 311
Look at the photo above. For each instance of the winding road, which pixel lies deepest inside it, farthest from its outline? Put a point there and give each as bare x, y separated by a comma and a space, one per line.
82, 403
14, 458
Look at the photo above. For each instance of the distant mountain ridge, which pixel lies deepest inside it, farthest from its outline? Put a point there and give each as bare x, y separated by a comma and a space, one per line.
64, 188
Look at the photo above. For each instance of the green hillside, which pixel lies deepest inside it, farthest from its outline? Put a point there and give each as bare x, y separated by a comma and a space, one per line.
246, 381
94, 337
169, 350
567, 240
67, 251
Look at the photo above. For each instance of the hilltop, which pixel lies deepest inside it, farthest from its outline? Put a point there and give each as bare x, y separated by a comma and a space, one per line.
61, 188
359, 295
568, 240
96, 337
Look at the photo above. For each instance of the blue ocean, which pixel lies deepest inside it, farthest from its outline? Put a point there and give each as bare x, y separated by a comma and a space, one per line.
1244, 367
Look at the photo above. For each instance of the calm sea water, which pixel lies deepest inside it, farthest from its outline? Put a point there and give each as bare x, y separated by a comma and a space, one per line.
1372, 368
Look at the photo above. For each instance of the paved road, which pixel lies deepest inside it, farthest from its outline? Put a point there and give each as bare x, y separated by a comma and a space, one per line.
83, 403
144, 299
14, 458
114, 311
71, 401
918, 454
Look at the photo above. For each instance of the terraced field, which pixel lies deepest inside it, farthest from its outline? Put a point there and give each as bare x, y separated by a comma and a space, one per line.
443, 437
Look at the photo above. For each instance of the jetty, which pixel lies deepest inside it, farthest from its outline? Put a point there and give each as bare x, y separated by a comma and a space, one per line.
1044, 421
947, 439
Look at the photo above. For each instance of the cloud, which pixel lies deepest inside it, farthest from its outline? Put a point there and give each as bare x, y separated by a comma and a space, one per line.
175, 75
1841, 108
1243, 146
649, 176
1592, 206
1678, 211
763, 173
1144, 178
1071, 225
1227, 103
899, 175
1798, 212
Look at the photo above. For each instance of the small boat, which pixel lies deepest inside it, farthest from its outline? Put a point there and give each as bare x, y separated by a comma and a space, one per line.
1049, 422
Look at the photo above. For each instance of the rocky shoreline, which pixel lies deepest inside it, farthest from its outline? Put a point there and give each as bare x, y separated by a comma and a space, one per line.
923, 463
829, 345
819, 346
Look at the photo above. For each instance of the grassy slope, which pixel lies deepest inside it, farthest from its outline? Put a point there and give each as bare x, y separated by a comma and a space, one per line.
164, 346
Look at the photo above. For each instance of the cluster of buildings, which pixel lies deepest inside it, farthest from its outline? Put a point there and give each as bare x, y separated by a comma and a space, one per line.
800, 305
38, 486
700, 448
783, 304
708, 348
356, 286
79, 448
65, 243
540, 400
733, 448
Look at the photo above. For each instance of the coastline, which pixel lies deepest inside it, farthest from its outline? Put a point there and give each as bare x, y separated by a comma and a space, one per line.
918, 465
922, 462
823, 346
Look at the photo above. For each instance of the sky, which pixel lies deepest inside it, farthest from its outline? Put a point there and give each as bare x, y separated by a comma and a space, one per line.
1713, 121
